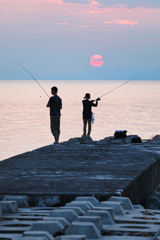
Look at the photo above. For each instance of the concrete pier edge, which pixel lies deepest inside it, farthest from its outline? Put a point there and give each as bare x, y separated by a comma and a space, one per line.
101, 169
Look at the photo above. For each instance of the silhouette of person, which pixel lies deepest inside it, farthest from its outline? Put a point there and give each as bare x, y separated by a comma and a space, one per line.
87, 113
55, 105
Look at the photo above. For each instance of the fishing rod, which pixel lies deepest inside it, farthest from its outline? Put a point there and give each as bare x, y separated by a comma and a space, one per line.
120, 85
30, 75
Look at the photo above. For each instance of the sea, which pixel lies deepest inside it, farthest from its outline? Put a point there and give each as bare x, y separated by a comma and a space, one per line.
25, 120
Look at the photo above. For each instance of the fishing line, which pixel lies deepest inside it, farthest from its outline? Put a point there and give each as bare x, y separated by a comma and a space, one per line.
120, 86
30, 75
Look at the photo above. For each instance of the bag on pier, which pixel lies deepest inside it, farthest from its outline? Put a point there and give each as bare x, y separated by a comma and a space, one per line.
136, 140
120, 134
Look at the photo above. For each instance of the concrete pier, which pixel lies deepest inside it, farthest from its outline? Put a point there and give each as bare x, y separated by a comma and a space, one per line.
57, 174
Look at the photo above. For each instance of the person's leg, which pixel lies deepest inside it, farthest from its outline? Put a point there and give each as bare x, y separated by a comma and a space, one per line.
84, 126
56, 138
57, 126
52, 125
89, 127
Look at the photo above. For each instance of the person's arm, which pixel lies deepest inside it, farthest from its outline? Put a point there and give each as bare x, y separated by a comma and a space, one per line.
48, 104
95, 104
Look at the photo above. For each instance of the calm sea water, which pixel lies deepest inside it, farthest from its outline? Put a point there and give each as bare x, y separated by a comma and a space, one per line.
25, 122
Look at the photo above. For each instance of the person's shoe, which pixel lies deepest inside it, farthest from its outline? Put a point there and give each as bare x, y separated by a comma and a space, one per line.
83, 135
55, 144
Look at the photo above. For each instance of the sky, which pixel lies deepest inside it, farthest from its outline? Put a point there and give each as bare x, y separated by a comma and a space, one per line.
55, 39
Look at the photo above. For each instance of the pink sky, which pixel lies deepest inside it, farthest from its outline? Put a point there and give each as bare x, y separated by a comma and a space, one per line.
91, 12
126, 36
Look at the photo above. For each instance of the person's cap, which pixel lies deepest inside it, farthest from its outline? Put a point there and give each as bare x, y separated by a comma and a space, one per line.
87, 95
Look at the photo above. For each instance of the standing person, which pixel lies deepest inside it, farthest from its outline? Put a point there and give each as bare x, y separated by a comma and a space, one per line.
55, 105
87, 113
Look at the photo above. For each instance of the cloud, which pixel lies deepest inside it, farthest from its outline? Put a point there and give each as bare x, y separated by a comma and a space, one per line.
82, 26
94, 11
64, 24
101, 6
90, 21
54, 1
109, 3
152, 10
77, 1
122, 21
131, 4
87, 2
95, 2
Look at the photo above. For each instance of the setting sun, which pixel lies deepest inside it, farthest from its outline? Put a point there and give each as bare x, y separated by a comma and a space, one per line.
96, 61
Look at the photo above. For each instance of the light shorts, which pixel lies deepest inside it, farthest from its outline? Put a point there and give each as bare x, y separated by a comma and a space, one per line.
55, 125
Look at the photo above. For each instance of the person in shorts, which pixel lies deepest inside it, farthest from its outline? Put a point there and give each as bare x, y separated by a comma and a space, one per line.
55, 105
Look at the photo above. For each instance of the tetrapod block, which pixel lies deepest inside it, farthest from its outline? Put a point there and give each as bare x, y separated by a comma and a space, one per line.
49, 226
93, 200
105, 216
84, 228
118, 210
70, 215
21, 202
8, 206
126, 202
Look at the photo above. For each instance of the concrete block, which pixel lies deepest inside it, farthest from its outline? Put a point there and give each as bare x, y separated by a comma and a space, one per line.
92, 200
15, 226
110, 210
38, 234
117, 206
8, 206
105, 216
157, 235
73, 237
126, 202
78, 210
84, 140
73, 141
30, 238
11, 217
138, 206
86, 202
70, 215
84, 228
94, 219
155, 139
8, 236
29, 212
132, 228
63, 221
49, 226
85, 207
21, 202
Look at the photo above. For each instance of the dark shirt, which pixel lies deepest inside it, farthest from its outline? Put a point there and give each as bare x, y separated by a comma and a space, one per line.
55, 104
87, 108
